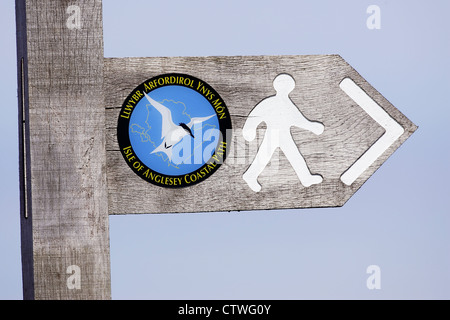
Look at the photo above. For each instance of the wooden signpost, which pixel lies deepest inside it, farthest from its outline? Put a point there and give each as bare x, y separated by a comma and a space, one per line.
64, 207
167, 135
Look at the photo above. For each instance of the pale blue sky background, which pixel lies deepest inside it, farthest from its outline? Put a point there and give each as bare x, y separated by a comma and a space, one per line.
399, 219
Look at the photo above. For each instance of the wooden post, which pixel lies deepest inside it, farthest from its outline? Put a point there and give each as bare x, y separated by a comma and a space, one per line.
64, 209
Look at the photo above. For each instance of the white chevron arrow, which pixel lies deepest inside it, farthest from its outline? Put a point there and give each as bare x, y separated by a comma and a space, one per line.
393, 130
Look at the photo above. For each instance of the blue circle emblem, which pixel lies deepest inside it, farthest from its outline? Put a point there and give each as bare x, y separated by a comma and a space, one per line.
172, 130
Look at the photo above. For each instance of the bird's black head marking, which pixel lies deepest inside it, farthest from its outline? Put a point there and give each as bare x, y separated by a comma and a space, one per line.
185, 127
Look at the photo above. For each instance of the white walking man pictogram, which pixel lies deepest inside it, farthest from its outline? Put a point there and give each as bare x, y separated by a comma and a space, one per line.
280, 114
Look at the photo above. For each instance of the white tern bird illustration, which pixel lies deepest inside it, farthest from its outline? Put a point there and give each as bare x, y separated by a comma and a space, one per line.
172, 133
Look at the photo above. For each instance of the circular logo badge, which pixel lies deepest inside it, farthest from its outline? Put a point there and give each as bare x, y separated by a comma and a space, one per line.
172, 130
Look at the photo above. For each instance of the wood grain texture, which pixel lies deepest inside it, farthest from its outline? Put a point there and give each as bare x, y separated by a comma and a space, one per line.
243, 82
24, 151
66, 121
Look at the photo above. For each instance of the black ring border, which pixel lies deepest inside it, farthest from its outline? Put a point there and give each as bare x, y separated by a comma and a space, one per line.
123, 138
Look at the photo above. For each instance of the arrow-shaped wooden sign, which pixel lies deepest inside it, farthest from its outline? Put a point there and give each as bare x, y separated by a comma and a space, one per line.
306, 131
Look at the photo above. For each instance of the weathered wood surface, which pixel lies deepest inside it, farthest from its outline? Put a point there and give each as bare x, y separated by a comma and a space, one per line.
243, 82
68, 223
